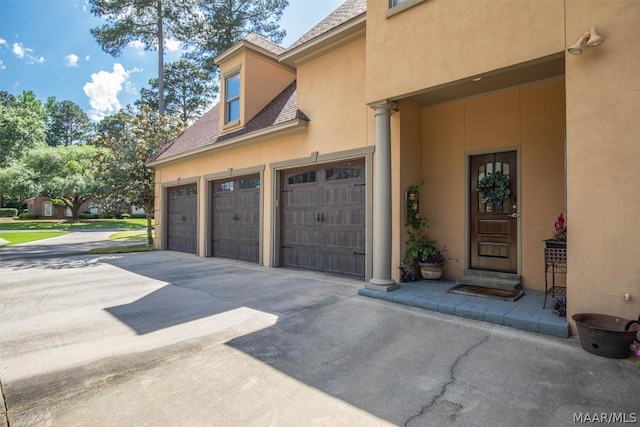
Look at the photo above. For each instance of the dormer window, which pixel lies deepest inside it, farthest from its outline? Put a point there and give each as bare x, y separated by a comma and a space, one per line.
232, 99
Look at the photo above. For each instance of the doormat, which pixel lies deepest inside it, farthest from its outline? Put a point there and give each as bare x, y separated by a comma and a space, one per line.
478, 291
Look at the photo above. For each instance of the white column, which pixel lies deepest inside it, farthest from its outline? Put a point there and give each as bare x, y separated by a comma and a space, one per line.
381, 279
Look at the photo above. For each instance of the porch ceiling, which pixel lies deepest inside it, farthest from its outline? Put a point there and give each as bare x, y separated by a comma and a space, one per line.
520, 74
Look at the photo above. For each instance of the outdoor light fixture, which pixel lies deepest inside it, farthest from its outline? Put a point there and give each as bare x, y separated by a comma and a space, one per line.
590, 37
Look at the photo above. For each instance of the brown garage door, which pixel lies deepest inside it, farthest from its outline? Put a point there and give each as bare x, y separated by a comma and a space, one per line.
236, 218
182, 232
323, 218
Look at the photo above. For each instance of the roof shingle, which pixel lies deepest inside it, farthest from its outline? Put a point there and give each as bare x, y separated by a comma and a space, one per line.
206, 130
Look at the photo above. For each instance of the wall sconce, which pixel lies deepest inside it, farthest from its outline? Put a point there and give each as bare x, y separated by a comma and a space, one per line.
590, 37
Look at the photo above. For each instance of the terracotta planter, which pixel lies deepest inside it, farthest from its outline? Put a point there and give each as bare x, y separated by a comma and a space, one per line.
431, 271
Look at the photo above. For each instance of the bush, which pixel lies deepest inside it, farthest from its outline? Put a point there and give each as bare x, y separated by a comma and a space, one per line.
139, 216
8, 212
126, 216
86, 215
28, 215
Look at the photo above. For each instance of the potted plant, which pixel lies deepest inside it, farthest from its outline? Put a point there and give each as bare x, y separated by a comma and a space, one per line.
559, 238
432, 261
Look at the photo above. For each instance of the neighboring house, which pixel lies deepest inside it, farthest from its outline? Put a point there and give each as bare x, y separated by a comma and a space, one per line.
306, 160
44, 208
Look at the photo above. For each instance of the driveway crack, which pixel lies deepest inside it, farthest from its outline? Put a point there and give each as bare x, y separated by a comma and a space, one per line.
3, 408
452, 379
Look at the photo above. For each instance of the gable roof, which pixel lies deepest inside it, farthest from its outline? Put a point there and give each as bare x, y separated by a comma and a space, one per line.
281, 113
346, 12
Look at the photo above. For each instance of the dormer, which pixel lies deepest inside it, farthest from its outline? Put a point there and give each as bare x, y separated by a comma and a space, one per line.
250, 77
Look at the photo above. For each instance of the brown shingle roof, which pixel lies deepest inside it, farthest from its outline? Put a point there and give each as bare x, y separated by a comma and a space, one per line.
266, 44
343, 14
206, 130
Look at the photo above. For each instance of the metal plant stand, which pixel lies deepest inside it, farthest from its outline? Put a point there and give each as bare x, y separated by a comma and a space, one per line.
555, 262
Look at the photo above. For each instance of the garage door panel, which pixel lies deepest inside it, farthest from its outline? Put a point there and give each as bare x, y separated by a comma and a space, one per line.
323, 221
182, 226
236, 218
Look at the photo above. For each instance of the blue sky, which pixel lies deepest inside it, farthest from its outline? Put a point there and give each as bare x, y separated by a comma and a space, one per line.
46, 47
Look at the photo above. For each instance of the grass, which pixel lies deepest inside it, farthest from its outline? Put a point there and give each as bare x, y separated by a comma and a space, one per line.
129, 236
121, 249
63, 225
15, 238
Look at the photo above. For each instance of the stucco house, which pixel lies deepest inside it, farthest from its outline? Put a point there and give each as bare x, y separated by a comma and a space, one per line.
306, 160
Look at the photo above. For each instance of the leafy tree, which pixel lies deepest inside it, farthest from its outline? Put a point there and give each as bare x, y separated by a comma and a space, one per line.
17, 184
67, 173
22, 126
7, 99
189, 91
67, 123
130, 140
147, 21
221, 23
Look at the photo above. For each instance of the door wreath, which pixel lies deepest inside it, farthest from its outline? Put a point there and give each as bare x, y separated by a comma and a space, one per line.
494, 188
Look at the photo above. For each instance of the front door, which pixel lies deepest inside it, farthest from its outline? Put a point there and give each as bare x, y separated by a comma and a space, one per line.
493, 212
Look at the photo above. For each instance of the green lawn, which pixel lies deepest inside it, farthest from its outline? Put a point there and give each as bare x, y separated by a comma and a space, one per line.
121, 249
129, 236
15, 238
85, 224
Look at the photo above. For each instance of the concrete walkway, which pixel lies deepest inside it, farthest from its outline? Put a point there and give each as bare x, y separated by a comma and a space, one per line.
73, 243
166, 338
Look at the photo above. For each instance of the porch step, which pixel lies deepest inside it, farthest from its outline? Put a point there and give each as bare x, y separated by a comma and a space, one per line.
491, 279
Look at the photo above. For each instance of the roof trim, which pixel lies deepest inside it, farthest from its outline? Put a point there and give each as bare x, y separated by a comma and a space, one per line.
291, 127
333, 39
237, 48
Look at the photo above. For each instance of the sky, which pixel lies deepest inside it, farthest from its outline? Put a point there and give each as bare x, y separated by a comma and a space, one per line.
46, 47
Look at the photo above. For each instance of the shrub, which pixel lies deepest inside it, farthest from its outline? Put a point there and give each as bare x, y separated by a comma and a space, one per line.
8, 212
85, 216
28, 215
139, 216
126, 216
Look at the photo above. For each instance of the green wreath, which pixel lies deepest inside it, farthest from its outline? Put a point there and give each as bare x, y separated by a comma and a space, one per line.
494, 188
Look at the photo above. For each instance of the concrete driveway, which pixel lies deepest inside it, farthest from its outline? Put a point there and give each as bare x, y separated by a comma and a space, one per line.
165, 338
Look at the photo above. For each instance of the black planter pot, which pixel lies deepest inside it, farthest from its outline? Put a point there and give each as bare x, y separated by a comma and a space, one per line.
555, 244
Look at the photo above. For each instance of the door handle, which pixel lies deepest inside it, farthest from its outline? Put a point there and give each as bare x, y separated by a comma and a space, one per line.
515, 215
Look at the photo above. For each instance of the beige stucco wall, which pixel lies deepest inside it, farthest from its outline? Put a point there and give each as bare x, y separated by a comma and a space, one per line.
440, 41
254, 70
530, 120
603, 160
339, 122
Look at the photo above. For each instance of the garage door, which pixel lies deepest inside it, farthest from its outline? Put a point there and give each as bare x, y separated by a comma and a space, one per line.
182, 232
236, 218
323, 219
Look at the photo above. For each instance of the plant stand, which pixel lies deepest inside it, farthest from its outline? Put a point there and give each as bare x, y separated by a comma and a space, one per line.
555, 262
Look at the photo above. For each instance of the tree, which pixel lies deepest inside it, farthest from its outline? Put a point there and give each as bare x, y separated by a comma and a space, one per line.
189, 91
17, 184
221, 23
22, 126
130, 140
147, 21
67, 173
67, 123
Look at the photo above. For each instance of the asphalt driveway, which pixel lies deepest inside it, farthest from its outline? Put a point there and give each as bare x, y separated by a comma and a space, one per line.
166, 338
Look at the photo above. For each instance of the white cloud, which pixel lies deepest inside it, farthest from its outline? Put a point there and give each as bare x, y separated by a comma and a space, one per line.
26, 53
87, 58
4, 42
2, 66
71, 60
172, 45
138, 46
103, 91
